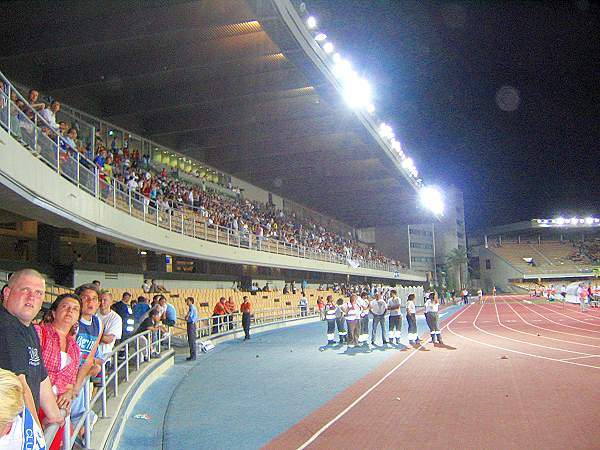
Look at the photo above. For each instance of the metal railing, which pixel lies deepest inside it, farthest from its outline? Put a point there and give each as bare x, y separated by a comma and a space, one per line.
128, 356
215, 326
57, 152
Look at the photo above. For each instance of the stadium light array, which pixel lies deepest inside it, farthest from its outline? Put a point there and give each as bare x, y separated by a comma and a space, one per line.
573, 221
357, 93
432, 199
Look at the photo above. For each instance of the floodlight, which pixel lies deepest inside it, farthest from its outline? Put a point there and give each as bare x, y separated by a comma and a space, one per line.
370, 108
320, 37
589, 220
357, 91
396, 146
328, 47
560, 221
385, 131
407, 163
432, 199
311, 22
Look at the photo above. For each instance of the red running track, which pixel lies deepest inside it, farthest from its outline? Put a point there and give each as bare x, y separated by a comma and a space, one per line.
512, 374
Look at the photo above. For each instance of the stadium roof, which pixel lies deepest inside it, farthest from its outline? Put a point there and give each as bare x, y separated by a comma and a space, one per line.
234, 83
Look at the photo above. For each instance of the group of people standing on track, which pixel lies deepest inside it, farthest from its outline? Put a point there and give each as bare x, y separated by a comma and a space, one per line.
351, 317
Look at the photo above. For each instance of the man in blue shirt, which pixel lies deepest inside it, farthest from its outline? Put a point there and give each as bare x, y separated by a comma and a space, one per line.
191, 318
140, 309
170, 314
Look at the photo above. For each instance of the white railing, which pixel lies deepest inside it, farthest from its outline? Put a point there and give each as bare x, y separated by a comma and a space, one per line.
52, 149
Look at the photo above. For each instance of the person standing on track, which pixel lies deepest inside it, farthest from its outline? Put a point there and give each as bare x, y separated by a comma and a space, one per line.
246, 310
340, 321
395, 318
480, 295
352, 312
330, 310
378, 309
582, 293
411, 319
364, 318
494, 291
432, 318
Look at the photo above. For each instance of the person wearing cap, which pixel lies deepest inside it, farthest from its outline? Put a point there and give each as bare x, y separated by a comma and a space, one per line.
340, 322
432, 318
330, 310
395, 318
363, 302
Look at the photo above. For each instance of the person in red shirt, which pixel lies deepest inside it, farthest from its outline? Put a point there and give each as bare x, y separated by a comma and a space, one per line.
230, 307
246, 310
219, 312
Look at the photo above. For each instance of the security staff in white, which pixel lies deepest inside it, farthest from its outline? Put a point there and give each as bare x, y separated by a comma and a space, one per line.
433, 318
364, 304
331, 310
340, 322
411, 319
378, 309
395, 318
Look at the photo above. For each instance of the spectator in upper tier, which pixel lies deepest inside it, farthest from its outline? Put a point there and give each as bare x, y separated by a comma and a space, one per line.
20, 347
155, 287
33, 100
49, 114
18, 427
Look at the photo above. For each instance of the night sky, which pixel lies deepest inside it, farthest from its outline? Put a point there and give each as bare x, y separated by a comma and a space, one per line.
500, 99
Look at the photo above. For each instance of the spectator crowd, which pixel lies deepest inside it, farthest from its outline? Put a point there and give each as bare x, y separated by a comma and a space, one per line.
163, 189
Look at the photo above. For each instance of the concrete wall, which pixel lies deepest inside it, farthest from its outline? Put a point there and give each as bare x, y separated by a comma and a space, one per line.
498, 274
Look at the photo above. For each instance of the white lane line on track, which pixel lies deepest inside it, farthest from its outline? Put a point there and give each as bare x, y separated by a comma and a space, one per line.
562, 324
518, 340
368, 391
537, 334
516, 351
570, 317
580, 357
553, 331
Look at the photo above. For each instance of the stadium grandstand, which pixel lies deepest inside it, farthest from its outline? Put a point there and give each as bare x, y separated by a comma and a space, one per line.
536, 255
203, 214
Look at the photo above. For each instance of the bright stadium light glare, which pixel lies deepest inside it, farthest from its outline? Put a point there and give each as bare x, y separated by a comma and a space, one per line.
337, 58
320, 37
407, 163
560, 221
357, 92
396, 146
328, 47
311, 22
385, 131
370, 108
432, 199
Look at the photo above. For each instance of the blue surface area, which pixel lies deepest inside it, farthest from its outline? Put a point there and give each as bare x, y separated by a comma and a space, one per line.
243, 394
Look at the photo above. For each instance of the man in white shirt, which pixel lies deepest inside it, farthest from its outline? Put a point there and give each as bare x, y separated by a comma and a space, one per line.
378, 309
113, 324
395, 319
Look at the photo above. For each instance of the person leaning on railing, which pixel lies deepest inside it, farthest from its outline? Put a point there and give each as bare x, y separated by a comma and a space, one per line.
61, 354
151, 323
219, 313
